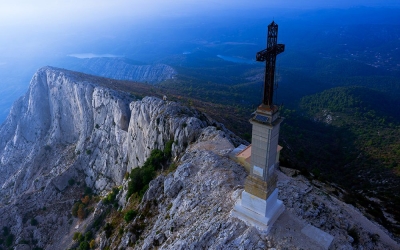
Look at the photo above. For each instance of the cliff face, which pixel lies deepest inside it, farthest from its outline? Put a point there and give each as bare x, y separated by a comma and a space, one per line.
61, 112
72, 127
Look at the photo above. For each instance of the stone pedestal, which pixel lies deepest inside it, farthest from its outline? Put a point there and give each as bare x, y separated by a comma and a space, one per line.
258, 212
259, 205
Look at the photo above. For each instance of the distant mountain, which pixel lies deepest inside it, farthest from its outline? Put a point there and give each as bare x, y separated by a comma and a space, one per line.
120, 68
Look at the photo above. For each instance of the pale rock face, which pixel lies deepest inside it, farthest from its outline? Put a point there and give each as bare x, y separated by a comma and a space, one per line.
70, 126
154, 122
61, 127
59, 110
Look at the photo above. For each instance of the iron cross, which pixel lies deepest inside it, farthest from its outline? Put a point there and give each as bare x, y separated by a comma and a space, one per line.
269, 56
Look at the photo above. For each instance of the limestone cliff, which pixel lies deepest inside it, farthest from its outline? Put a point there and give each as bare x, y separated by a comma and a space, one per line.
71, 126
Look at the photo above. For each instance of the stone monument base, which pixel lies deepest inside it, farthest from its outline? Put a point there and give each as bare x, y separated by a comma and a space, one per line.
258, 212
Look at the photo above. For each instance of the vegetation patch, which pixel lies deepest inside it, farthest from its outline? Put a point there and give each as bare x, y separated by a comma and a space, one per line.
110, 198
84, 242
84, 206
6, 237
34, 222
141, 177
71, 182
340, 135
130, 215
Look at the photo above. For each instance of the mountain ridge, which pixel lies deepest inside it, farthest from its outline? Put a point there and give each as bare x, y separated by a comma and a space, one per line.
74, 136
68, 125
121, 68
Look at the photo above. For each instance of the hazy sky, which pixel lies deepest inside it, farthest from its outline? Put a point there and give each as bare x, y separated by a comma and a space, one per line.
28, 12
18, 16
25, 24
25, 14
22, 20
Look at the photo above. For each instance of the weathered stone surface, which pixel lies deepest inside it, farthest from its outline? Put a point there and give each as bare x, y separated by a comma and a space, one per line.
70, 126
172, 186
154, 122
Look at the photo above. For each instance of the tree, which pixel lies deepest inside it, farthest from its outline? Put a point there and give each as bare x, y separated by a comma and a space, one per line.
130, 215
92, 244
84, 245
81, 211
6, 231
88, 236
74, 209
168, 149
34, 222
9, 240
85, 200
71, 182
76, 236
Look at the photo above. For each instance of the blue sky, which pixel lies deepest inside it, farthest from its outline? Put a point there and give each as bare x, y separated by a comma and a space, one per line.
20, 12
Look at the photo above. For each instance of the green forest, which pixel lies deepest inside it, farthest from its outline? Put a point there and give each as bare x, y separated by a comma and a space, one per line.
349, 136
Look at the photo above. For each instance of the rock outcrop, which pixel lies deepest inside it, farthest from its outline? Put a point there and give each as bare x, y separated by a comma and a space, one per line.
72, 128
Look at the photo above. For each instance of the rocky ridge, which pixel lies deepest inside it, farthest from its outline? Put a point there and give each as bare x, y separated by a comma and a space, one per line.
71, 126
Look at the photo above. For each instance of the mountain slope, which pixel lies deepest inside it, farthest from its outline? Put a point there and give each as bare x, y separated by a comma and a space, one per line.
70, 126
70, 141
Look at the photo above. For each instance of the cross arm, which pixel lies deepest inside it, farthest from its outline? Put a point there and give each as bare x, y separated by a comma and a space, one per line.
280, 48
262, 55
